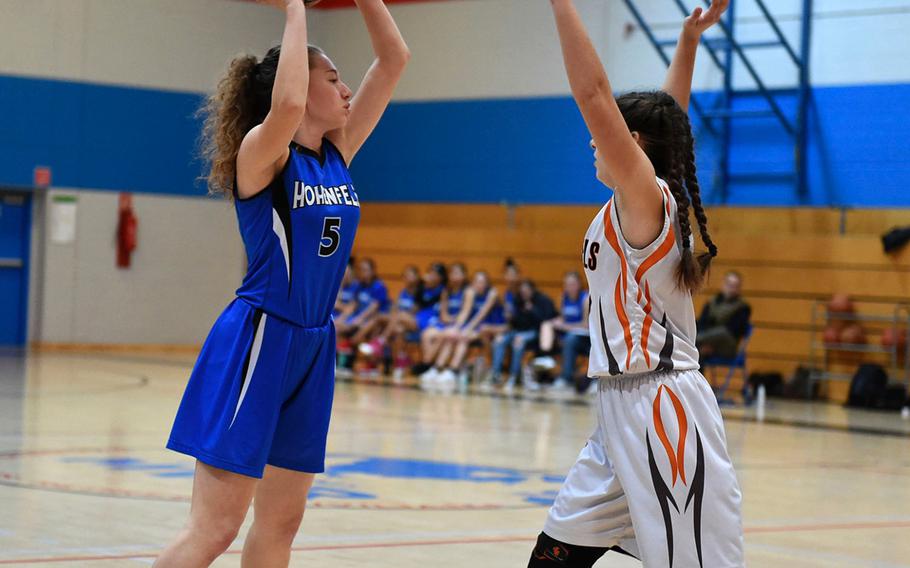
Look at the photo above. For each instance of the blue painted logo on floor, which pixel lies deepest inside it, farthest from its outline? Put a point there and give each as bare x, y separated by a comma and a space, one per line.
364, 478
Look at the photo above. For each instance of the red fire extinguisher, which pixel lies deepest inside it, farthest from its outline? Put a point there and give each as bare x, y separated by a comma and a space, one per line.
127, 228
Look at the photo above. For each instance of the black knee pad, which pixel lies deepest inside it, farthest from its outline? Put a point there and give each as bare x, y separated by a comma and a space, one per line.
549, 553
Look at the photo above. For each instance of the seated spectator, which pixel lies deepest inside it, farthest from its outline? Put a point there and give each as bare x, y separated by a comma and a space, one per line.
532, 308
724, 320
371, 300
393, 325
479, 301
497, 323
570, 328
344, 303
450, 303
416, 309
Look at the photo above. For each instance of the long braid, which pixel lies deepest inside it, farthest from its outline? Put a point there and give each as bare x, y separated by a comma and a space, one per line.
695, 193
688, 273
667, 140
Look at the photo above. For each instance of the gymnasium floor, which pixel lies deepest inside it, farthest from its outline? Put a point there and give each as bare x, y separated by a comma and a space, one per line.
414, 479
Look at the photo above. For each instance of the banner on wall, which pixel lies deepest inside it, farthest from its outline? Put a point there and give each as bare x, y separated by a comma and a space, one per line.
63, 219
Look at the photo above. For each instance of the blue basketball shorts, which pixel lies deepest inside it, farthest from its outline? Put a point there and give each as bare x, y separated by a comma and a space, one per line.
260, 393
425, 318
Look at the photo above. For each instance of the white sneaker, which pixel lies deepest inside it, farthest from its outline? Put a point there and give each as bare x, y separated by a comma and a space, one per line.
509, 386
592, 388
531, 385
545, 363
428, 379
560, 384
445, 381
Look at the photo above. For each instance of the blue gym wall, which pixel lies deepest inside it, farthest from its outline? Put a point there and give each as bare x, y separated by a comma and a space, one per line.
483, 114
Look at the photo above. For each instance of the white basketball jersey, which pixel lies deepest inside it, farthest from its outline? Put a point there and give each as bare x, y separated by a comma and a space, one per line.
641, 320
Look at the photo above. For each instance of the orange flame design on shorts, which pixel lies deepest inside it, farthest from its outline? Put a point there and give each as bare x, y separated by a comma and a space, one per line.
677, 458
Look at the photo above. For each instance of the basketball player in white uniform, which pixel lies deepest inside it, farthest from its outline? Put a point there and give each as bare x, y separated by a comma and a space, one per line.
654, 480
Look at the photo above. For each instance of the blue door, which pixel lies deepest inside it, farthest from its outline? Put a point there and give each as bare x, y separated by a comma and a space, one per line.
15, 229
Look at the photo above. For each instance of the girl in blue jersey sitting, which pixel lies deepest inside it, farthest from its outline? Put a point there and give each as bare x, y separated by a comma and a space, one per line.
450, 302
279, 135
498, 323
388, 329
570, 327
479, 302
344, 303
370, 302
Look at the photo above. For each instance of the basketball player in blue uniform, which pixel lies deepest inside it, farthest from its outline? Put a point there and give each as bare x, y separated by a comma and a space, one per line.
280, 134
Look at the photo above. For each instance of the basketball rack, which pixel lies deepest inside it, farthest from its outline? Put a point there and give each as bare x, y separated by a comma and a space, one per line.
724, 51
820, 353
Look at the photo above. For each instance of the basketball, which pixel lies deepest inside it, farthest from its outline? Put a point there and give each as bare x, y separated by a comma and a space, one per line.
840, 304
853, 334
895, 337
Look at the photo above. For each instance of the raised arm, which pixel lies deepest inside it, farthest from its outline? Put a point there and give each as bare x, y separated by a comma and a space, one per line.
265, 148
626, 162
375, 92
467, 305
678, 83
484, 311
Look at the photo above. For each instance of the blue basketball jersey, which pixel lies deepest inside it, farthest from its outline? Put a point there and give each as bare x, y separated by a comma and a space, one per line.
573, 310
406, 301
429, 298
349, 292
479, 301
455, 301
367, 294
298, 233
508, 303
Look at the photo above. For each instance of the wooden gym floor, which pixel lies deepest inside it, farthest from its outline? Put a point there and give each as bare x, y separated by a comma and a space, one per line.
414, 479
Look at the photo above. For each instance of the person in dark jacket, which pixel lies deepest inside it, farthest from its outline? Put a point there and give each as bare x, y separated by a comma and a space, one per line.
724, 320
532, 308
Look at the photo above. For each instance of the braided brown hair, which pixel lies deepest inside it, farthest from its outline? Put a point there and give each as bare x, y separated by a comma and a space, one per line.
667, 139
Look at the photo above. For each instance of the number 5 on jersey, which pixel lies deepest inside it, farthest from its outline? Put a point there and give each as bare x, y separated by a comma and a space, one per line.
331, 236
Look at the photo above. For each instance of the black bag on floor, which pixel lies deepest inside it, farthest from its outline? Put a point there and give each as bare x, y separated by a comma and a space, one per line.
799, 384
868, 386
773, 382
894, 397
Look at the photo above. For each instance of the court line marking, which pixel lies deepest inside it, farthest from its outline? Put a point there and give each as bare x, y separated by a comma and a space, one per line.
452, 542
541, 398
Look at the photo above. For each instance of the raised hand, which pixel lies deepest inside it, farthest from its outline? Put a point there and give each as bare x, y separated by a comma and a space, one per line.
700, 19
283, 4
